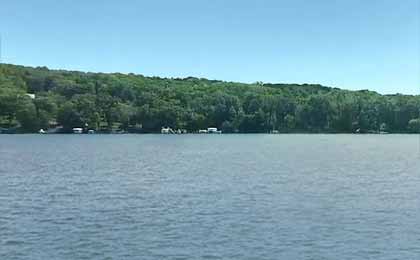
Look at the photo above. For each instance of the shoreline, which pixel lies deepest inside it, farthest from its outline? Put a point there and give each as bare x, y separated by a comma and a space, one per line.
201, 134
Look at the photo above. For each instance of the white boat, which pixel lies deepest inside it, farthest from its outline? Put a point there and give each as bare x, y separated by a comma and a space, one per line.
77, 130
166, 130
213, 130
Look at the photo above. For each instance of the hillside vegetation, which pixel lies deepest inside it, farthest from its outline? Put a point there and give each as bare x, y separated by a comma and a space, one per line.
135, 103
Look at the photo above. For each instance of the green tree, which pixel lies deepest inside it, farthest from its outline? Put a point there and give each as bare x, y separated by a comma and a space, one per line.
69, 117
414, 125
27, 116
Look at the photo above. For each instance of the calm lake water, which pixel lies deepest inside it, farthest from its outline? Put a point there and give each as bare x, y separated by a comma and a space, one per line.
209, 197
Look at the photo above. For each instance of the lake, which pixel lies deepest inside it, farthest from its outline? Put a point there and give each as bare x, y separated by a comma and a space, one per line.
209, 197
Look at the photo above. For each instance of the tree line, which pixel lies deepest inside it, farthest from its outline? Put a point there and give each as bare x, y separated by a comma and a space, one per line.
135, 103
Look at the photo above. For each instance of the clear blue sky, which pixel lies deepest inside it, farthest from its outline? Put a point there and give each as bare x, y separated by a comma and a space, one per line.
352, 44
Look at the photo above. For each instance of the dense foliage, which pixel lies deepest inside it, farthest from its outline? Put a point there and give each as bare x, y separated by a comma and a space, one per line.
134, 103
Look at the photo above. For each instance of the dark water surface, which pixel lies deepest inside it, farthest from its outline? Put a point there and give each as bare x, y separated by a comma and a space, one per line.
209, 197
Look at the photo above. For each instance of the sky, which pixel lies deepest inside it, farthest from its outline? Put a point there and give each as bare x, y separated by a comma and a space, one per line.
350, 44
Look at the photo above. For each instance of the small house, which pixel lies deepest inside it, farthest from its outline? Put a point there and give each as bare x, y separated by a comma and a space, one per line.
32, 96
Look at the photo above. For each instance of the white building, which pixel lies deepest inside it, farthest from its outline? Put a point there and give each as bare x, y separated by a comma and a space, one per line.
30, 95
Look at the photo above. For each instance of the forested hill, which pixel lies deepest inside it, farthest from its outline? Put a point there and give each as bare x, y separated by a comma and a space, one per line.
134, 103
